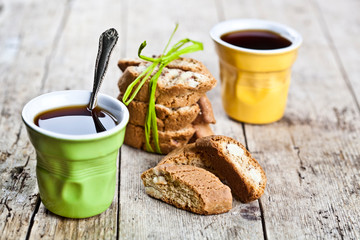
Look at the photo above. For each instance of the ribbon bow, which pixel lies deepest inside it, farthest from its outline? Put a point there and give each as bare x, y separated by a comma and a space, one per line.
160, 62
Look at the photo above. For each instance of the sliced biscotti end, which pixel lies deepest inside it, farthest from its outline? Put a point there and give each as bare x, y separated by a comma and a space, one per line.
126, 62
206, 114
188, 155
188, 187
230, 158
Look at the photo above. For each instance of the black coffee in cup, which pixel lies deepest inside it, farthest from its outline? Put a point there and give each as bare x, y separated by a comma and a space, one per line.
256, 39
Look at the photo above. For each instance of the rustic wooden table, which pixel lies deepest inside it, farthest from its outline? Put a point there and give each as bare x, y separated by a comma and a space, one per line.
311, 156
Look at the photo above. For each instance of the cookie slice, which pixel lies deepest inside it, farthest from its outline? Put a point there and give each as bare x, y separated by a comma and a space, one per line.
206, 114
168, 119
188, 187
242, 172
175, 87
188, 155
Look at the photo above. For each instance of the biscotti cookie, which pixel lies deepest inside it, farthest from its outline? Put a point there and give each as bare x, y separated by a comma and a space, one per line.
201, 130
188, 155
185, 64
168, 140
206, 114
242, 172
175, 87
168, 119
188, 187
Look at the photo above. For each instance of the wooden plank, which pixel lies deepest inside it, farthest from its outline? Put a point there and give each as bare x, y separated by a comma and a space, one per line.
311, 156
50, 226
143, 217
72, 67
10, 33
26, 41
340, 25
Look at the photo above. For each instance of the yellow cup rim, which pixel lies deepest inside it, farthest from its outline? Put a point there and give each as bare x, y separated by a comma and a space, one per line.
256, 24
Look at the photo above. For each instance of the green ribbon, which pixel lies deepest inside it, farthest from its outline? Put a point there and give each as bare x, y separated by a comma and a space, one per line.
160, 63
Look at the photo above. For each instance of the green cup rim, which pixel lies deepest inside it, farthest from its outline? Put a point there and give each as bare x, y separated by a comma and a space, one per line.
53, 100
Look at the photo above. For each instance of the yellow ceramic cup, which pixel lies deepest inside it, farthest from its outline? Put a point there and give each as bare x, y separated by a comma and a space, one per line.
255, 83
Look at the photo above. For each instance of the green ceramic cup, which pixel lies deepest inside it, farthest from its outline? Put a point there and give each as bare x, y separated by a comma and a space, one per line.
76, 174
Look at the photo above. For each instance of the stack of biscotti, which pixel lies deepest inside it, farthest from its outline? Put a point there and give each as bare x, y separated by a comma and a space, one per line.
219, 156
183, 111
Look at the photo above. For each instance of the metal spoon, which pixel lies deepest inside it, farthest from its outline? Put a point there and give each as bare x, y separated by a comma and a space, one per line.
107, 42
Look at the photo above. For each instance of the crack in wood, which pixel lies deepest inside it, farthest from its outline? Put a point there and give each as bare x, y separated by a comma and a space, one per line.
208, 225
262, 212
262, 216
32, 219
19, 175
17, 171
17, 136
301, 164
300, 176
302, 167
27, 161
338, 228
263, 222
9, 209
245, 138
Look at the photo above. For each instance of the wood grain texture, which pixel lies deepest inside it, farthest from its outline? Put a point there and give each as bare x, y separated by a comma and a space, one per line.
26, 41
156, 219
340, 25
311, 156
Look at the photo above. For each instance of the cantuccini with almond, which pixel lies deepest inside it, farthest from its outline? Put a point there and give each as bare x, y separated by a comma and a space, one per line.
188, 187
240, 170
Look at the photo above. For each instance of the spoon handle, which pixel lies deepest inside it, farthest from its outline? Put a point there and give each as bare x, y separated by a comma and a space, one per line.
107, 42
